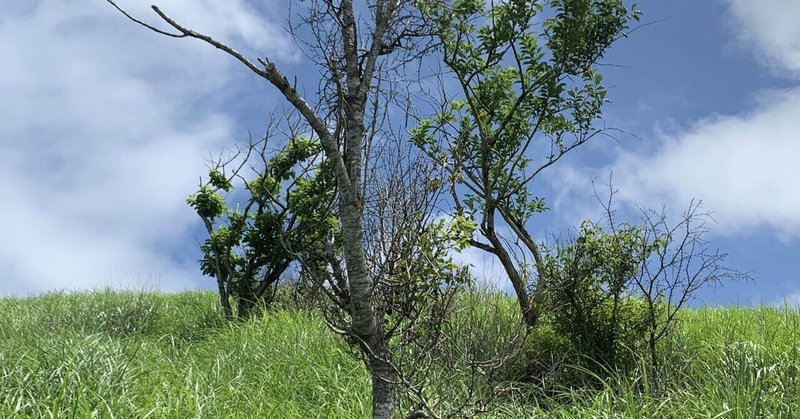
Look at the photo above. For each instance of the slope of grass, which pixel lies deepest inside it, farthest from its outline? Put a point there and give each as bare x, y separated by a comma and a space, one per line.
125, 355
146, 355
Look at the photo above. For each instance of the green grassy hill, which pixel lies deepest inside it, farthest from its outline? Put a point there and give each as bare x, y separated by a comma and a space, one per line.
128, 355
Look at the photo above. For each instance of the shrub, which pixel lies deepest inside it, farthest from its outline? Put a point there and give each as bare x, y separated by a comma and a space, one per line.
587, 298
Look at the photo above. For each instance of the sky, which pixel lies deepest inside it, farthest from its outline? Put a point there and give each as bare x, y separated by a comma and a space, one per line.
107, 126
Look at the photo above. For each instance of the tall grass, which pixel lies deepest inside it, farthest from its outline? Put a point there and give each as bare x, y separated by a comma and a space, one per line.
123, 355
131, 355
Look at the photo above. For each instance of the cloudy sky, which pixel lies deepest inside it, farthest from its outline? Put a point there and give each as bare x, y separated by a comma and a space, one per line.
105, 128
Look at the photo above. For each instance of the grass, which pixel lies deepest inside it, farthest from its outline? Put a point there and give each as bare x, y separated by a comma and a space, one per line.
131, 355
148, 355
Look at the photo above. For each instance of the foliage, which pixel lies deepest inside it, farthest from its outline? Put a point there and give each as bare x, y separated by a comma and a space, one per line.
616, 291
589, 296
425, 268
285, 210
515, 88
530, 92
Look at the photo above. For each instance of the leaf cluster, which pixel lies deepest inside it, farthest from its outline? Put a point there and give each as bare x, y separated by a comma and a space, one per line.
589, 296
526, 69
255, 232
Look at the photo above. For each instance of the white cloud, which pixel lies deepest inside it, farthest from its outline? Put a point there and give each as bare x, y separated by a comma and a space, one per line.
105, 128
770, 29
743, 167
574, 197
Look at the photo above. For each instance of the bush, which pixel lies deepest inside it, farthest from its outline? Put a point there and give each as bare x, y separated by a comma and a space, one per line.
588, 302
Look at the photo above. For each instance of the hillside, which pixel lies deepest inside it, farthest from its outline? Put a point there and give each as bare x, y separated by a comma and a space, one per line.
111, 354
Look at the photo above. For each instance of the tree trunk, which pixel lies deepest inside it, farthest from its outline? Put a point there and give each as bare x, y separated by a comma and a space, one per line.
530, 314
541, 283
384, 379
654, 378
359, 72
245, 303
365, 325
224, 300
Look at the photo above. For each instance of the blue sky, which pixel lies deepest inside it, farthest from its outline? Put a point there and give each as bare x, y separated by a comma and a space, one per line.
106, 127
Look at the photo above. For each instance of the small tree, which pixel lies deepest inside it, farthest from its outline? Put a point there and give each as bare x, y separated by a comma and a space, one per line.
660, 263
680, 264
417, 284
528, 93
286, 208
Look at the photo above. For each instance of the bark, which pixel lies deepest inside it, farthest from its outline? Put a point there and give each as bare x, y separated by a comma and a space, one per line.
530, 314
245, 303
654, 378
244, 297
364, 321
522, 233
223, 299
384, 378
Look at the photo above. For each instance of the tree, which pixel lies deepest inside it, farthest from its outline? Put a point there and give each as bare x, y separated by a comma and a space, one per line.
663, 263
286, 210
529, 92
676, 263
355, 49
417, 284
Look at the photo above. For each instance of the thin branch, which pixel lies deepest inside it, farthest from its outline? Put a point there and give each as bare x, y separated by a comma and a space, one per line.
152, 28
